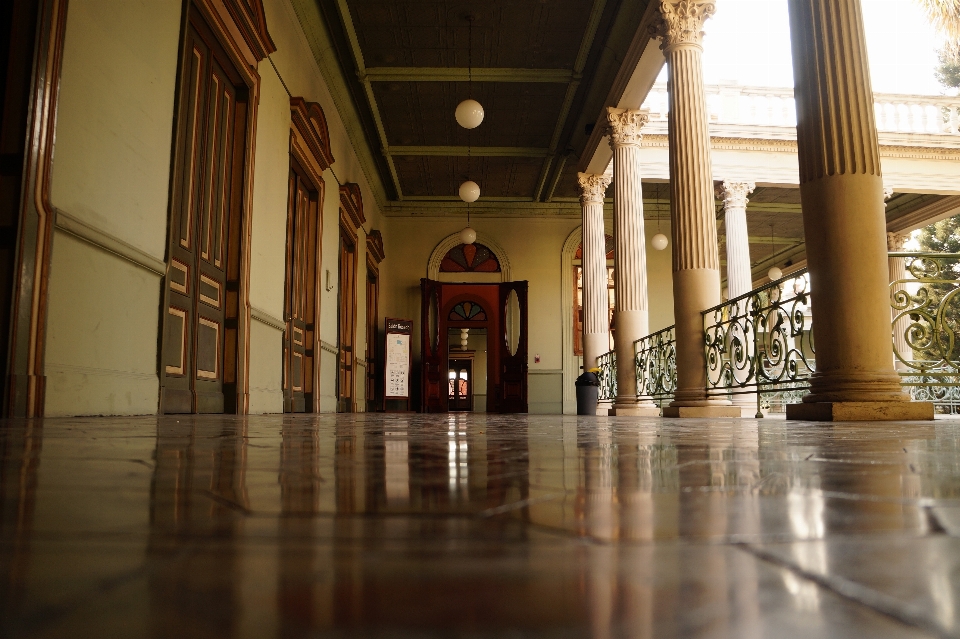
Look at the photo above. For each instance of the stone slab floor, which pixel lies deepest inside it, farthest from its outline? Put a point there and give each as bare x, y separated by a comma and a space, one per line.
470, 526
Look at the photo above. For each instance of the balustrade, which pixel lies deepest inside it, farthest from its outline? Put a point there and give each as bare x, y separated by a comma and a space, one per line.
764, 106
762, 343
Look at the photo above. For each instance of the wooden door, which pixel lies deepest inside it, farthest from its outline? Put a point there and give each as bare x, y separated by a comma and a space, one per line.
433, 345
300, 286
460, 385
18, 26
347, 324
373, 340
511, 388
204, 210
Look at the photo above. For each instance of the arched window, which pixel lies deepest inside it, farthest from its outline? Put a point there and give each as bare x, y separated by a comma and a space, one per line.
578, 294
468, 311
470, 258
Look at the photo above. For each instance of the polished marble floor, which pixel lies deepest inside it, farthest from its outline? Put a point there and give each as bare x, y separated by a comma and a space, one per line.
478, 526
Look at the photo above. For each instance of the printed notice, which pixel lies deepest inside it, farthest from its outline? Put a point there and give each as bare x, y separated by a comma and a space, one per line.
398, 365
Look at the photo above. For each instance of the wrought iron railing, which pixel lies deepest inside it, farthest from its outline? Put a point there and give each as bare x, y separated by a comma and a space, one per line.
926, 327
608, 375
656, 365
759, 346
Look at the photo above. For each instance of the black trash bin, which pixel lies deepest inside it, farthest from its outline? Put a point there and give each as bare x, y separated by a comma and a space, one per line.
588, 393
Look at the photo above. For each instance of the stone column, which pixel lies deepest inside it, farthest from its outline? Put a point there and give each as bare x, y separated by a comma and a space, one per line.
898, 271
630, 271
841, 191
739, 274
596, 325
696, 265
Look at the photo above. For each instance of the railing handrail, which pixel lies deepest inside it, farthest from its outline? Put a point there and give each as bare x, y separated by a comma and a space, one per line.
646, 337
759, 289
924, 254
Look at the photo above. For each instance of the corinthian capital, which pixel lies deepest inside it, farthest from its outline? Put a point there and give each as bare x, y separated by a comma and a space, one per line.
626, 126
734, 194
896, 241
681, 21
592, 187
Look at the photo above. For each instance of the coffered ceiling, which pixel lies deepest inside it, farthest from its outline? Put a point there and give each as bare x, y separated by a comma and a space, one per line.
542, 69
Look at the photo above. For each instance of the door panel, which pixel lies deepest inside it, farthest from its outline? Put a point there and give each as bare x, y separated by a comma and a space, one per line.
433, 343
512, 387
194, 321
300, 293
347, 324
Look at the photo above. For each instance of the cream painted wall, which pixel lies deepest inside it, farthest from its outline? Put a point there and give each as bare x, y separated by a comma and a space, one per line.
111, 171
533, 247
101, 333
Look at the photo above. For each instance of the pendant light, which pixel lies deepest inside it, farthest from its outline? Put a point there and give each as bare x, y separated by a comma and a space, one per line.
774, 273
469, 113
658, 241
469, 116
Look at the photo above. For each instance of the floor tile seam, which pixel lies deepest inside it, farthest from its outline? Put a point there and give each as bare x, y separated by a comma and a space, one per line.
856, 593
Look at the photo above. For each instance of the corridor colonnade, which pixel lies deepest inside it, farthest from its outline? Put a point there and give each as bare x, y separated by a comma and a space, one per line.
842, 197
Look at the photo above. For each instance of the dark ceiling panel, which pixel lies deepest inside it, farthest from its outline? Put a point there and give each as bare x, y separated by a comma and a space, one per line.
772, 195
422, 113
567, 185
507, 33
442, 176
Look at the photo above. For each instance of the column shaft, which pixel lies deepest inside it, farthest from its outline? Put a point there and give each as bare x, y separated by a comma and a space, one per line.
696, 265
596, 327
843, 212
630, 272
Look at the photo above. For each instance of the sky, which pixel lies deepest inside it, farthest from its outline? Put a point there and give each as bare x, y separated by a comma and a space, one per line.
749, 41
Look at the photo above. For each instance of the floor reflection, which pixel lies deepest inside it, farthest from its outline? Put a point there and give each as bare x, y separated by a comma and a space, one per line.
413, 525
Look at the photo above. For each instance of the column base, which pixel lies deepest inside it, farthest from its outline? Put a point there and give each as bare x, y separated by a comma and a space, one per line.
860, 411
702, 411
634, 410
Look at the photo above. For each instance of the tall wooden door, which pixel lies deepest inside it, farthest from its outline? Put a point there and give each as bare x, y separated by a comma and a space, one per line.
347, 324
511, 388
300, 294
433, 344
460, 385
204, 210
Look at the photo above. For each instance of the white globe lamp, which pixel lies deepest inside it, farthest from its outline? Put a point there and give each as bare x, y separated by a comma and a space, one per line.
774, 274
468, 236
659, 242
469, 114
469, 191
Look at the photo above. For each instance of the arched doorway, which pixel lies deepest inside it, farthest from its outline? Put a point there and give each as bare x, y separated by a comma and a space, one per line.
499, 310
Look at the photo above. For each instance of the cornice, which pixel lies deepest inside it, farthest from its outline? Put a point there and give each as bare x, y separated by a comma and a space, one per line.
351, 204
311, 123
375, 246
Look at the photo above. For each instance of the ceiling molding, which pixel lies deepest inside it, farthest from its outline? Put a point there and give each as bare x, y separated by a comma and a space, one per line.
925, 215
462, 74
318, 39
475, 151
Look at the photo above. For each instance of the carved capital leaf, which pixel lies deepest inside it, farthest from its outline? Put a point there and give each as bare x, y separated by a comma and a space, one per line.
593, 187
681, 21
626, 126
896, 241
734, 194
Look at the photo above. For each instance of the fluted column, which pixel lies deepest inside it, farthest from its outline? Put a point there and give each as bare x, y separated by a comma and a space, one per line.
630, 265
739, 277
696, 265
896, 242
841, 191
596, 325
739, 274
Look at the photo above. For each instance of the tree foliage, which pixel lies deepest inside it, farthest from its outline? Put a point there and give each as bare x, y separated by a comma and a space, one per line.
948, 71
942, 236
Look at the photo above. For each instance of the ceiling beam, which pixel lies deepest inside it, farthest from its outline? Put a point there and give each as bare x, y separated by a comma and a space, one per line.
593, 23
463, 74
368, 89
475, 151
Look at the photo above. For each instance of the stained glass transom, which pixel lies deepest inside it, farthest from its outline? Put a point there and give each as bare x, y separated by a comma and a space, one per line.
469, 311
470, 258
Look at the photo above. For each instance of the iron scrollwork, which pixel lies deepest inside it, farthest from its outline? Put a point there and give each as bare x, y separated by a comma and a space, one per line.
656, 364
761, 342
608, 375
